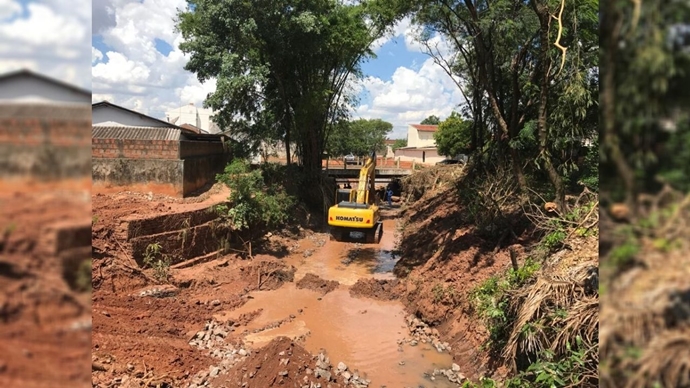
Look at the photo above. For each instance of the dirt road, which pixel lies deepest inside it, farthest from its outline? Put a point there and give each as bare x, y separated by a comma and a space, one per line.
321, 311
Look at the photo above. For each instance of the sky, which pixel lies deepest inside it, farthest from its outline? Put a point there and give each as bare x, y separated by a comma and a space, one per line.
48, 36
136, 62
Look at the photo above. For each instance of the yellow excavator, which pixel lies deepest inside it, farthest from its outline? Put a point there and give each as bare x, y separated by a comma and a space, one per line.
357, 210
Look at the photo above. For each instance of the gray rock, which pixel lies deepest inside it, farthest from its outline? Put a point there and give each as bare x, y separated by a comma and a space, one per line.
214, 371
342, 367
456, 368
242, 352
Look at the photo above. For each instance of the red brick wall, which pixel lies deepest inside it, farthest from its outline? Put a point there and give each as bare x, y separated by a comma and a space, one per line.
45, 141
36, 132
135, 149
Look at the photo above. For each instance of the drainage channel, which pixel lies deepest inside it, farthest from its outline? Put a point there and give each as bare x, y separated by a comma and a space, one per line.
372, 337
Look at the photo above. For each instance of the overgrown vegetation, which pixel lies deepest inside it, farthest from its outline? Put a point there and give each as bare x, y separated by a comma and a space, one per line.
255, 203
155, 259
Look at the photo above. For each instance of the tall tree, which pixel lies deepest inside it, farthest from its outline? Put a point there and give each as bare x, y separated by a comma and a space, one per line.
504, 59
289, 59
454, 136
431, 120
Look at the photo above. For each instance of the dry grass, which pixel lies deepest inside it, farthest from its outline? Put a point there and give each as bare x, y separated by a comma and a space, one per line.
573, 294
431, 180
645, 315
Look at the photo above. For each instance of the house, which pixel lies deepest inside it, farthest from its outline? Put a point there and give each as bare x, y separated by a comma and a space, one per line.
201, 118
44, 128
421, 146
137, 152
28, 87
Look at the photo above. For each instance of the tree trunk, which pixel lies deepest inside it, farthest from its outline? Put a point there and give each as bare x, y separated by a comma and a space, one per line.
611, 25
544, 65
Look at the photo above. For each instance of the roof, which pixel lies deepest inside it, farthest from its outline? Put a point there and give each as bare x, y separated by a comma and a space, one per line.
191, 127
419, 148
135, 133
107, 104
28, 73
425, 128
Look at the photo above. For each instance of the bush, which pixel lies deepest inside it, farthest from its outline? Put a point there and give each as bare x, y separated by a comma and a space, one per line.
254, 203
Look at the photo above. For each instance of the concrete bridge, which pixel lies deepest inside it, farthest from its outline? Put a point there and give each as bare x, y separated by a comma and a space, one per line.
351, 173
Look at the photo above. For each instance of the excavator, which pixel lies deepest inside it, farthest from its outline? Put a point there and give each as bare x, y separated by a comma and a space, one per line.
357, 210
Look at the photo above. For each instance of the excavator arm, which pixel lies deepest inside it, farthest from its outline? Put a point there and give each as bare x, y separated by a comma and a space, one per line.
367, 181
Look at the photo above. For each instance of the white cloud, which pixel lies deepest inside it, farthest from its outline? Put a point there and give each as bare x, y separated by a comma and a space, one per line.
133, 73
9, 8
410, 96
52, 39
96, 55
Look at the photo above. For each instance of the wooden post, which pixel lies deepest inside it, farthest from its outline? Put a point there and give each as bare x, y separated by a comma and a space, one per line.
397, 162
414, 161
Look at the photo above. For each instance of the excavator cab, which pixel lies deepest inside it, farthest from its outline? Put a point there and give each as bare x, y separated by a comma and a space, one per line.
357, 210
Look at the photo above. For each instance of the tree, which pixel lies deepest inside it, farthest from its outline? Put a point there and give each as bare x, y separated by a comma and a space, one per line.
431, 120
359, 137
505, 61
454, 136
289, 59
253, 204
399, 143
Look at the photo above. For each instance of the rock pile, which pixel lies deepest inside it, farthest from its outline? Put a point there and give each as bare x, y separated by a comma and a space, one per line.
453, 374
420, 332
325, 371
212, 338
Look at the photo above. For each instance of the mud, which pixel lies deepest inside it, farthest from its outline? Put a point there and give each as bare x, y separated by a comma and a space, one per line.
315, 283
45, 323
216, 317
379, 289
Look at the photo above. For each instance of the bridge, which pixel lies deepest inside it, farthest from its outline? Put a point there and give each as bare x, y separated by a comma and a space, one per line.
351, 173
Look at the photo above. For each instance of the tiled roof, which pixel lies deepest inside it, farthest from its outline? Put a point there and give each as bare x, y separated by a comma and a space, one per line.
135, 133
425, 128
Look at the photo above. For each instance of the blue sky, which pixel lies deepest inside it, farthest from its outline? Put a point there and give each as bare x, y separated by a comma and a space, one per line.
47, 36
136, 63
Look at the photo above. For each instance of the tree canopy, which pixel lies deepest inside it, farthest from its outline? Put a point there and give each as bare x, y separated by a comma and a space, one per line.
359, 137
281, 66
431, 120
454, 136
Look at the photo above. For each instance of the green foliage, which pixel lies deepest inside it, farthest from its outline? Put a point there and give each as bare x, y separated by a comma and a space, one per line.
399, 143
442, 294
160, 263
252, 203
359, 137
431, 120
491, 301
281, 66
554, 239
83, 278
454, 136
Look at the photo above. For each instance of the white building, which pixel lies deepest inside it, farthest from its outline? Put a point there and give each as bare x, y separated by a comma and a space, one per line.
421, 146
192, 115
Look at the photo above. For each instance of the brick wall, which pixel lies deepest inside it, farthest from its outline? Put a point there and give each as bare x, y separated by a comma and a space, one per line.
135, 149
44, 141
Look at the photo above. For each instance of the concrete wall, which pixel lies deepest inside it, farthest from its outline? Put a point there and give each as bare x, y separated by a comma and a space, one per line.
136, 149
44, 141
202, 170
429, 156
161, 176
200, 148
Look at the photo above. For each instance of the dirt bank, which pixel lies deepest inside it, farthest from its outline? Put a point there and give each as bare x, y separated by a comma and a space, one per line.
44, 302
445, 257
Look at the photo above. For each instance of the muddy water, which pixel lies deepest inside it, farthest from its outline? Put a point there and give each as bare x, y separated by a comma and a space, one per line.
362, 333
